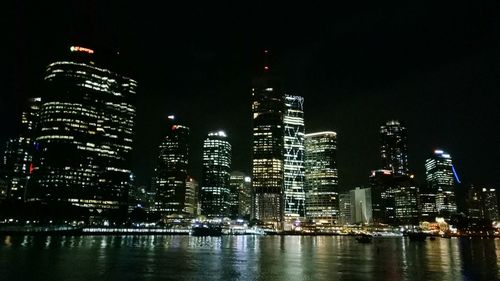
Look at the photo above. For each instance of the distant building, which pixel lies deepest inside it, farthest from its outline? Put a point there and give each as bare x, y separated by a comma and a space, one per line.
427, 203
171, 170
322, 195
18, 156
482, 204
241, 195
440, 174
294, 158
490, 203
393, 148
361, 206
84, 135
215, 186
344, 208
383, 185
394, 198
268, 108
191, 197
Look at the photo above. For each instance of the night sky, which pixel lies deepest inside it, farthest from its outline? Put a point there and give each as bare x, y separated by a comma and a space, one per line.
435, 67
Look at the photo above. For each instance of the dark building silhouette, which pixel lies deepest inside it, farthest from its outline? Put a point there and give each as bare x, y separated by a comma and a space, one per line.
84, 135
393, 149
241, 195
268, 108
17, 160
171, 170
394, 198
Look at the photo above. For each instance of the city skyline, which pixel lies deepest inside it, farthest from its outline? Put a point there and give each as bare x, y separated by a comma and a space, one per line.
340, 94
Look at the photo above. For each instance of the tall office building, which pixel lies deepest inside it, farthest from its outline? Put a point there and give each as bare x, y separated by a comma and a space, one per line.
383, 186
427, 204
268, 108
394, 198
294, 158
345, 208
18, 155
440, 175
216, 170
84, 135
171, 169
393, 148
241, 195
361, 206
191, 198
490, 203
482, 203
321, 187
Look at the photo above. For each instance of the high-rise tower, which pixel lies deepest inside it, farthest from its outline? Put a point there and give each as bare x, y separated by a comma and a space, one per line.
393, 150
171, 171
216, 170
321, 186
268, 107
84, 135
18, 157
294, 158
440, 175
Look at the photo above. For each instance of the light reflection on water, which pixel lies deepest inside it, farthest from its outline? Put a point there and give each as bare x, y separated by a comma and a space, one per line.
151, 257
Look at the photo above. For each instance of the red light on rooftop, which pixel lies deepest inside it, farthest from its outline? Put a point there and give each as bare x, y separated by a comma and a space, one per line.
174, 127
266, 67
31, 168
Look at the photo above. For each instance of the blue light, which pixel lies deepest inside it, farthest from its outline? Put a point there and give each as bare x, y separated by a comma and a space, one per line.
455, 174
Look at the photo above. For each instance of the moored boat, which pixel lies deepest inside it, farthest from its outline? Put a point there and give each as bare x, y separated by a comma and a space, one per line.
364, 238
203, 229
417, 236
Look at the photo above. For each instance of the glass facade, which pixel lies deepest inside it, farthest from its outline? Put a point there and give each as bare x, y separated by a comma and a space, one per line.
18, 157
440, 179
241, 195
216, 169
393, 150
268, 107
84, 135
191, 199
294, 158
171, 169
361, 206
321, 185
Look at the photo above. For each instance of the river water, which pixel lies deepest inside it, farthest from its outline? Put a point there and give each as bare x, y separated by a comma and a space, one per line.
181, 257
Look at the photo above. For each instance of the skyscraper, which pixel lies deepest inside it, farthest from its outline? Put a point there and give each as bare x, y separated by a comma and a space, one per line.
440, 174
482, 203
84, 135
18, 155
345, 208
171, 169
321, 187
394, 198
241, 195
393, 150
361, 206
268, 107
215, 190
191, 201
294, 158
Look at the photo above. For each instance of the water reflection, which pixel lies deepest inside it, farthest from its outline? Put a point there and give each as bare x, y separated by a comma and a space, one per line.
245, 258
